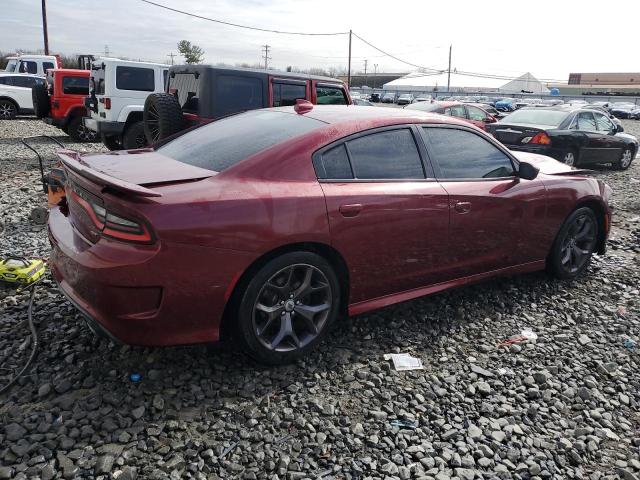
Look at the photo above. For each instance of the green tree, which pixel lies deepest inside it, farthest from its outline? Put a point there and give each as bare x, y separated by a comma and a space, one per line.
191, 53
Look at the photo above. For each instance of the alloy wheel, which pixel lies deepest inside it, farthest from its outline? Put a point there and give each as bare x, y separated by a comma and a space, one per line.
578, 243
153, 123
7, 110
141, 141
626, 158
292, 308
570, 159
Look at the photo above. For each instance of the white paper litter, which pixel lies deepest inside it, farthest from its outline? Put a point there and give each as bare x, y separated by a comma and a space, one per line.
529, 334
404, 361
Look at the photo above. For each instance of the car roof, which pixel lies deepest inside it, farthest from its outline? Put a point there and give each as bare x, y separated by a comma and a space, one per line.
371, 116
132, 62
73, 71
275, 73
16, 74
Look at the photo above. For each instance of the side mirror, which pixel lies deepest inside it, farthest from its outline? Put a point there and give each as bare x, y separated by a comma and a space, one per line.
527, 171
490, 119
617, 128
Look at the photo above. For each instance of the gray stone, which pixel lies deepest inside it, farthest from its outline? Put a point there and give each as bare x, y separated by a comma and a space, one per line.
14, 432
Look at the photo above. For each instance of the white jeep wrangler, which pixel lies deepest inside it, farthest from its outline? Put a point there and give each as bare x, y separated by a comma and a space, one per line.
117, 92
34, 64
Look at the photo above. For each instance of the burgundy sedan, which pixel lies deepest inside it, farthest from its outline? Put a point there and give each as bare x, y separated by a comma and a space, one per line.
471, 113
273, 223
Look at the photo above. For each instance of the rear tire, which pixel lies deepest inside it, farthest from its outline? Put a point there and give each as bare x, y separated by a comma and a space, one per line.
40, 97
79, 133
8, 109
162, 117
287, 307
570, 158
625, 159
111, 142
134, 137
574, 245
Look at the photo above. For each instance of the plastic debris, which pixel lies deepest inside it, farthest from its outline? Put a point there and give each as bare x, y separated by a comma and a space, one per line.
135, 377
630, 344
404, 424
526, 335
404, 361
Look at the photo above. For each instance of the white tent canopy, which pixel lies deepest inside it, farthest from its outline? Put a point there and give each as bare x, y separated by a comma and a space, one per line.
420, 81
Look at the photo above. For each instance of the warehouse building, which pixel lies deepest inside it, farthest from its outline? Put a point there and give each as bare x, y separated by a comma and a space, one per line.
600, 84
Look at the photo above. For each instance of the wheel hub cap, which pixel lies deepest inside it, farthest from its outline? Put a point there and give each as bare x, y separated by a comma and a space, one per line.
289, 306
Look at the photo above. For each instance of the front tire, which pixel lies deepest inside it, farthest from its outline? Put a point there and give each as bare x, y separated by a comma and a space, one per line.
625, 159
112, 142
574, 245
287, 307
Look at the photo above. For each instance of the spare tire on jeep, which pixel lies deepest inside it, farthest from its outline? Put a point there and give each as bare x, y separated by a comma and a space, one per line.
40, 97
162, 117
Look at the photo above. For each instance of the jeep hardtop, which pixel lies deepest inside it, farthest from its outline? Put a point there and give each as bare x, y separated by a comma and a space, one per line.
201, 93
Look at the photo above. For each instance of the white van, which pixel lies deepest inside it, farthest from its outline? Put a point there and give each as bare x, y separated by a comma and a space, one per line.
117, 92
33, 64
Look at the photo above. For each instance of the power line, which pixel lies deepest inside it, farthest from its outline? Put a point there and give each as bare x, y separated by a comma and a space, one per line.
238, 25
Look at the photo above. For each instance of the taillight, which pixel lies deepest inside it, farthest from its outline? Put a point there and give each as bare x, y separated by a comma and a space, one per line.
110, 224
541, 139
107, 104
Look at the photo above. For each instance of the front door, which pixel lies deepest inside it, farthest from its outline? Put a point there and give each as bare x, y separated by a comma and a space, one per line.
493, 212
612, 145
388, 217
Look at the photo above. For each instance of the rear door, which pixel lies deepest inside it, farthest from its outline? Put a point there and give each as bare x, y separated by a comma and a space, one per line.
21, 90
285, 92
496, 217
388, 216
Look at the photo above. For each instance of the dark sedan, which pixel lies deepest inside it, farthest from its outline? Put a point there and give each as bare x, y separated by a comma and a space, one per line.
471, 113
573, 136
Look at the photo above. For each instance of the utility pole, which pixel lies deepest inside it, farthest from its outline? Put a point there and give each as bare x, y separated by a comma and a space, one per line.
44, 27
106, 50
375, 72
171, 55
266, 56
449, 70
349, 67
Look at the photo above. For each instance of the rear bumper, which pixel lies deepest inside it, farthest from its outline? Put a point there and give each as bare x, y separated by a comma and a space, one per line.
169, 294
56, 122
104, 128
539, 149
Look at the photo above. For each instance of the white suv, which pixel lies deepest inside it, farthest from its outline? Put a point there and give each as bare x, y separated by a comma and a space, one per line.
117, 92
34, 64
15, 93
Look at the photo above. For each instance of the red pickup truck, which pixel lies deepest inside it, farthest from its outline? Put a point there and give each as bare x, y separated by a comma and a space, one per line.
60, 102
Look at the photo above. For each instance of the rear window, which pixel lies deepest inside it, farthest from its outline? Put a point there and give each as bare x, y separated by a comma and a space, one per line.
221, 144
97, 80
186, 88
134, 78
75, 85
536, 116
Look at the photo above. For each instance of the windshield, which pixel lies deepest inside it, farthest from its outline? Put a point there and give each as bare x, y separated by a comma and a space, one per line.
221, 144
536, 117
11, 65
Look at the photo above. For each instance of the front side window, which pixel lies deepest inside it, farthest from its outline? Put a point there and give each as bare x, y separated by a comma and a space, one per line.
586, 122
237, 94
391, 154
285, 94
330, 96
47, 65
28, 66
463, 154
75, 85
603, 123
134, 78
476, 114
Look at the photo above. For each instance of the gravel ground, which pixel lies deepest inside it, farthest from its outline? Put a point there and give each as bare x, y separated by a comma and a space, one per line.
566, 405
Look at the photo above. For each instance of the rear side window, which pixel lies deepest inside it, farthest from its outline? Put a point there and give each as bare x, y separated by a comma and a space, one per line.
5, 81
463, 154
330, 96
75, 85
386, 155
285, 94
47, 65
236, 94
223, 143
26, 82
186, 88
134, 78
333, 164
27, 66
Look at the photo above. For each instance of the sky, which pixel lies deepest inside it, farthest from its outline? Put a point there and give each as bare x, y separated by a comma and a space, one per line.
504, 37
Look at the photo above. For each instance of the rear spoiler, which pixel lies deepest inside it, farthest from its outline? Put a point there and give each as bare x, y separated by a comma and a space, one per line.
576, 171
72, 161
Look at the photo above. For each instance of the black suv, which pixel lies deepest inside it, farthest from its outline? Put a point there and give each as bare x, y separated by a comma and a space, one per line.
201, 93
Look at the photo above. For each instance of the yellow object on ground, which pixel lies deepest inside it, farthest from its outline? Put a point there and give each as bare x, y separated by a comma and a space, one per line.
22, 271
